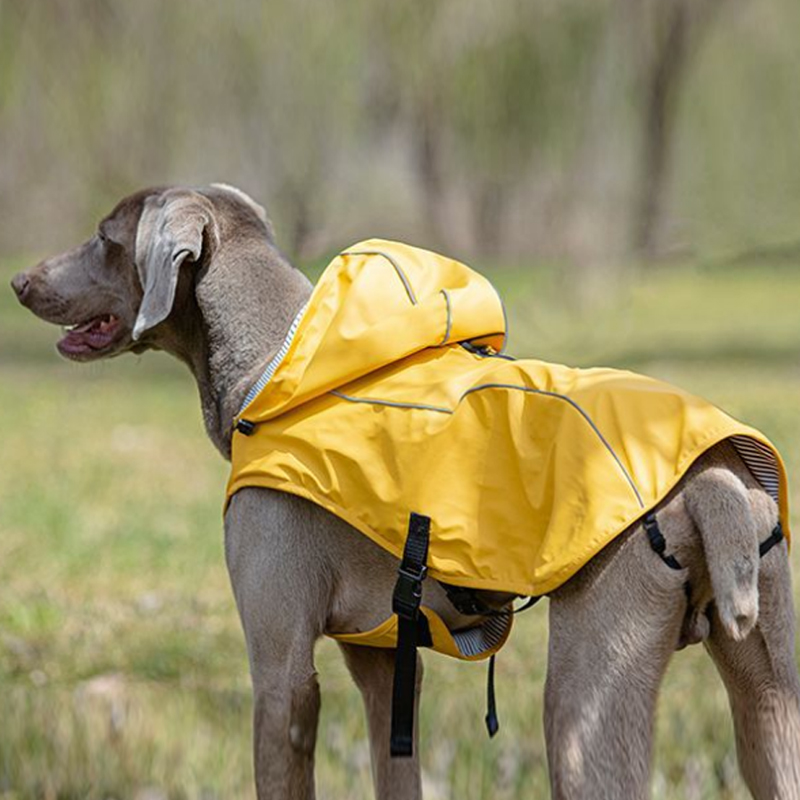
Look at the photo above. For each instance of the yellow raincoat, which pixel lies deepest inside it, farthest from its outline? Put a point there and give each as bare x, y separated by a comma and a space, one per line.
373, 409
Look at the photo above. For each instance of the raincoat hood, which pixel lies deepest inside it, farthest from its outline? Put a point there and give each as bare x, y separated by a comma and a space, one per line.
377, 303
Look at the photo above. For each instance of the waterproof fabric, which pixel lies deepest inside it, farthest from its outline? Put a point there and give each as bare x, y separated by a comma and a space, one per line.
373, 409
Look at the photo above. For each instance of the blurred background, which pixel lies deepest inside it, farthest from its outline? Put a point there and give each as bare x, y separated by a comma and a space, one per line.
626, 171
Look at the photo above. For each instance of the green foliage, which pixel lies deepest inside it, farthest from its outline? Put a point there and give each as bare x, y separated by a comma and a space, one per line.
511, 91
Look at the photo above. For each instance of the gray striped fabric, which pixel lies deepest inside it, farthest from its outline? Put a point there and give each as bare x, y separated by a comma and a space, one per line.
482, 637
760, 461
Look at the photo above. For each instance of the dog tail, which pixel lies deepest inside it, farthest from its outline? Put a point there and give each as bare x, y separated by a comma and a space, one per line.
732, 520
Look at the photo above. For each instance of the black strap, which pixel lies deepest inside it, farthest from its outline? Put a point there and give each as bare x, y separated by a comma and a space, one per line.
405, 603
774, 538
529, 603
657, 540
467, 602
659, 544
477, 349
492, 723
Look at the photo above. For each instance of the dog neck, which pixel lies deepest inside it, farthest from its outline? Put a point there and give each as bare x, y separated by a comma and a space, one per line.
241, 313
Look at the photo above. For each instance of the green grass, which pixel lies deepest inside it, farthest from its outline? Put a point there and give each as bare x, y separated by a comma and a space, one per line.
122, 665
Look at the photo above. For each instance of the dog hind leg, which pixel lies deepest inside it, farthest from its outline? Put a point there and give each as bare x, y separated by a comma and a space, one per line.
372, 669
761, 678
613, 628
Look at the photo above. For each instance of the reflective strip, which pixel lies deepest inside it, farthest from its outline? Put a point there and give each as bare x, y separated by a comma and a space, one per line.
481, 387
760, 460
391, 403
397, 268
571, 402
449, 317
275, 361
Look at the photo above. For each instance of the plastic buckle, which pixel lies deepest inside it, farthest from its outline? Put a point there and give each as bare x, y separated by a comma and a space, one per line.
465, 602
408, 592
657, 540
246, 427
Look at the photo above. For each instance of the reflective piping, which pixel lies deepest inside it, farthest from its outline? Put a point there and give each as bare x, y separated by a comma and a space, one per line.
505, 319
441, 410
372, 402
449, 318
275, 361
397, 268
577, 408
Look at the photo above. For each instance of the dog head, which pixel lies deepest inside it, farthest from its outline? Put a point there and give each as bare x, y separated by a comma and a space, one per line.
114, 292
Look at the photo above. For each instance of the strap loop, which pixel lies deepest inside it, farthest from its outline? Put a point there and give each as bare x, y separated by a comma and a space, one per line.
657, 540
492, 723
774, 538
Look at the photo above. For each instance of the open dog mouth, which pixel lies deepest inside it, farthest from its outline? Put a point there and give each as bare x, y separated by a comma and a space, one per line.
89, 337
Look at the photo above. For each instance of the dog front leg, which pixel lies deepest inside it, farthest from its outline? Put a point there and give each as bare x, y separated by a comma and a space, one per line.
285, 715
372, 669
281, 594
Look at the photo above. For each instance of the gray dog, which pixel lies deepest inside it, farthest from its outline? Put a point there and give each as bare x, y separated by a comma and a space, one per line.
196, 272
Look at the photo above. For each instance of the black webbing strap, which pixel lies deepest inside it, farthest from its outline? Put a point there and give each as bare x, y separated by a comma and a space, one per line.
659, 544
467, 602
492, 723
405, 603
657, 540
774, 538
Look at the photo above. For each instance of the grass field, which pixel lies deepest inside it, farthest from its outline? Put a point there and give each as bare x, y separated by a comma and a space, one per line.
122, 666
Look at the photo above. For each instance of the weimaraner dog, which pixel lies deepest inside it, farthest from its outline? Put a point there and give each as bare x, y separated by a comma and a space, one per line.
196, 272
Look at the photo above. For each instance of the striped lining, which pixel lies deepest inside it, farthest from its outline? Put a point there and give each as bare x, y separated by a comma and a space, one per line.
483, 637
760, 460
275, 361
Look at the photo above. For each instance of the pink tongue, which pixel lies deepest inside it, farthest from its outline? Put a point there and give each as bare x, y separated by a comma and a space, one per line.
92, 335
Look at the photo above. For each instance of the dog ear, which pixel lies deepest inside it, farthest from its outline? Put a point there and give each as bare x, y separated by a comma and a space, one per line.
172, 229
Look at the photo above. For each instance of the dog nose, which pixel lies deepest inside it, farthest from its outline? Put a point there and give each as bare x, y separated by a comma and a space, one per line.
21, 283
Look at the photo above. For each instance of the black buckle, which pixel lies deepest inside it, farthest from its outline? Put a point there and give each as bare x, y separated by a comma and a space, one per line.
483, 350
657, 540
408, 592
465, 601
246, 427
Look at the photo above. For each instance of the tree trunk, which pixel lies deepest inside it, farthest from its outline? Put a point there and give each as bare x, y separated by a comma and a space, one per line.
661, 94
428, 162
682, 25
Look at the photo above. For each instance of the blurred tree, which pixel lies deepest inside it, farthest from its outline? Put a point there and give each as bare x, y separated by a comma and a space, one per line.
514, 88
526, 126
405, 90
672, 31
